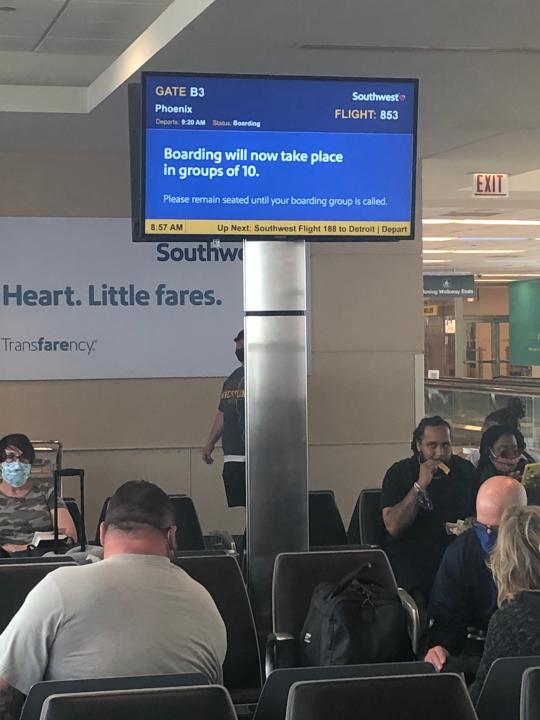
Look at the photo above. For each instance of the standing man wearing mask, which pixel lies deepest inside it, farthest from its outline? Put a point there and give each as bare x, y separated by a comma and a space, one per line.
464, 593
229, 424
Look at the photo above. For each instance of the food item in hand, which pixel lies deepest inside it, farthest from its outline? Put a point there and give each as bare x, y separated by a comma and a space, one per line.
442, 466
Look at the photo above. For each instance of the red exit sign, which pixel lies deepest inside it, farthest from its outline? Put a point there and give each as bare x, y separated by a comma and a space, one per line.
490, 185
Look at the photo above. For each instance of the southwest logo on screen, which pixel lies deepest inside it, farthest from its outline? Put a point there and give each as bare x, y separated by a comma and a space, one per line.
378, 97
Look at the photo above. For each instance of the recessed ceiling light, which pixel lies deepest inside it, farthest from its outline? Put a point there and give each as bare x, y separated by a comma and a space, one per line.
438, 262
472, 221
501, 238
503, 275
487, 252
480, 238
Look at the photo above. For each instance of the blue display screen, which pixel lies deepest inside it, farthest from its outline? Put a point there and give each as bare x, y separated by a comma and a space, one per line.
251, 156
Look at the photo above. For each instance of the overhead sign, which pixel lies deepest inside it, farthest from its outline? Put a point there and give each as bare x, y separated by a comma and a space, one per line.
79, 300
236, 156
524, 299
490, 185
430, 310
449, 285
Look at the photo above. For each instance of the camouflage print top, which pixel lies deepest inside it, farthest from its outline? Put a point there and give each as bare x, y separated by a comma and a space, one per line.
21, 517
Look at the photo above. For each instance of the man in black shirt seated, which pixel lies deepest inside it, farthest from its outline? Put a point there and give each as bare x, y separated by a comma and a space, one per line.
419, 496
464, 593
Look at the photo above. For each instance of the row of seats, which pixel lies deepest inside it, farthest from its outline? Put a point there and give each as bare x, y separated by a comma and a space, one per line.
189, 536
326, 527
219, 574
295, 577
385, 692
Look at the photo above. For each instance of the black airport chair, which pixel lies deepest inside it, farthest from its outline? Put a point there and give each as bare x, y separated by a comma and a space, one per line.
39, 560
366, 526
325, 524
500, 695
444, 697
73, 508
221, 576
189, 534
42, 690
16, 581
295, 577
210, 701
371, 524
530, 694
97, 539
273, 701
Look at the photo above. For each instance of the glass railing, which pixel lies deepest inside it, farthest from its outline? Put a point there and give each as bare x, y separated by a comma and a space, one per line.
466, 402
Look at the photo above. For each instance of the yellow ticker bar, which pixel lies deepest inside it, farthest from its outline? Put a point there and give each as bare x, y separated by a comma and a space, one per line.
276, 227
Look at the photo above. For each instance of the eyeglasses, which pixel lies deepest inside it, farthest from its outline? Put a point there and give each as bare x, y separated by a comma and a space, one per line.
514, 455
11, 456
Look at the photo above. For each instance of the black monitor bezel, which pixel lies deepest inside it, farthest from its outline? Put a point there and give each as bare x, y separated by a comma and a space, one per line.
138, 224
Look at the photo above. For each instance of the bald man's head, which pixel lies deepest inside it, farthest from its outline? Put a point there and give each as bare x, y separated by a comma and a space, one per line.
495, 495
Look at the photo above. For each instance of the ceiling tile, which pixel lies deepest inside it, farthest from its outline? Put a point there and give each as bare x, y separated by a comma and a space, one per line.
105, 20
81, 46
31, 18
24, 68
107, 31
114, 11
122, 2
17, 44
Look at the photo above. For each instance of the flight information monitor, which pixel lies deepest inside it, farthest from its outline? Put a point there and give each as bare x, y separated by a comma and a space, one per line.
245, 156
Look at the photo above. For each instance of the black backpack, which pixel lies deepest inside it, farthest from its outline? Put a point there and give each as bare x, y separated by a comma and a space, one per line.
354, 622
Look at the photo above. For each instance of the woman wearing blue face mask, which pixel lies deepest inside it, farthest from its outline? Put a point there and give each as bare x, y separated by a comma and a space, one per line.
26, 505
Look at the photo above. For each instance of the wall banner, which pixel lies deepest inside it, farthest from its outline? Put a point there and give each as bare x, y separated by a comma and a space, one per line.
79, 300
524, 297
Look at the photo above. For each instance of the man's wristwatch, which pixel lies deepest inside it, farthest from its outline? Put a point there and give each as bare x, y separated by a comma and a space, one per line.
418, 488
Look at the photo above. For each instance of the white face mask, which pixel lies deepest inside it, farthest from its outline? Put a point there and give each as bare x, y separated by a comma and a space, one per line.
16, 473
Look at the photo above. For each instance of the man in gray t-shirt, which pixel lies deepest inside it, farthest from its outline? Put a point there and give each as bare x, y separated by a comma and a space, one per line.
134, 613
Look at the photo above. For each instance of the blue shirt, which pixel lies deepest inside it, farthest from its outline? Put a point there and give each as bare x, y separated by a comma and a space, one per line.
464, 593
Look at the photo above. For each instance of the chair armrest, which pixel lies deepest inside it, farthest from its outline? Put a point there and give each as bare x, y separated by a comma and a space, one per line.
414, 618
220, 539
280, 652
332, 548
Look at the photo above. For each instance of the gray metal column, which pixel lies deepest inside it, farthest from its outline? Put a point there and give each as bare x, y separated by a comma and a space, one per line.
276, 411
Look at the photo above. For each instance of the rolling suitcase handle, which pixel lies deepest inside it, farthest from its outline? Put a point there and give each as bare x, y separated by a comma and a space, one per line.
69, 472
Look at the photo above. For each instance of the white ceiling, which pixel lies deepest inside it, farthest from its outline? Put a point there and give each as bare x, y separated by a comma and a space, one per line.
478, 64
54, 42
